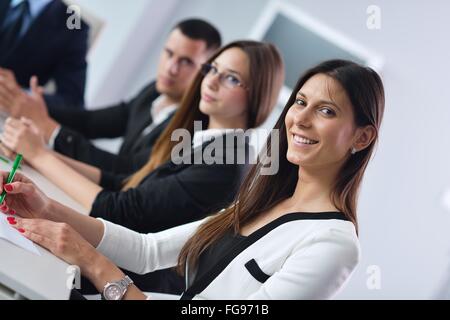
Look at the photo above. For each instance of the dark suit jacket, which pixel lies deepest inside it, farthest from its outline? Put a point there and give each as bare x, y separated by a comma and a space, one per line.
51, 51
126, 120
172, 194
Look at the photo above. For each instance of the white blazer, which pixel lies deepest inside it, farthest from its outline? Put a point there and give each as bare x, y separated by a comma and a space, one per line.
297, 256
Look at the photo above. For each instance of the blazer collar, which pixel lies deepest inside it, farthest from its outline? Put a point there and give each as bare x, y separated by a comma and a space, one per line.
4, 7
197, 152
200, 284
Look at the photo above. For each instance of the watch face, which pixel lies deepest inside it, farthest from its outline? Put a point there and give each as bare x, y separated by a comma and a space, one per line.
113, 292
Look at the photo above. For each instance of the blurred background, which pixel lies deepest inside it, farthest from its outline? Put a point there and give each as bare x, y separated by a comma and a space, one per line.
404, 207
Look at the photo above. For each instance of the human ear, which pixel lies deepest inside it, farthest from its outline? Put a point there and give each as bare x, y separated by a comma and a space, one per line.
363, 138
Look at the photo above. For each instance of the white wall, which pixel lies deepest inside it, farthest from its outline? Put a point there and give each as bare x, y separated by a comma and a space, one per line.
404, 228
130, 28
232, 23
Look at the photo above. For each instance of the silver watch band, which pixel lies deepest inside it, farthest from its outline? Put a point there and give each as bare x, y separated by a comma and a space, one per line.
125, 283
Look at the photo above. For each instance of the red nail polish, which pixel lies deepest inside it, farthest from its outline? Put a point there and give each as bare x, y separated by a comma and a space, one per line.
10, 218
21, 230
8, 187
12, 212
3, 208
13, 222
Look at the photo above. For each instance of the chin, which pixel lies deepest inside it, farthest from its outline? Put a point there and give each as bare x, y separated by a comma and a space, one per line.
160, 87
298, 158
293, 158
204, 108
208, 108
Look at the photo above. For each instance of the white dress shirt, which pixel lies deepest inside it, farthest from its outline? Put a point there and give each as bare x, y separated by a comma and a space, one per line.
159, 114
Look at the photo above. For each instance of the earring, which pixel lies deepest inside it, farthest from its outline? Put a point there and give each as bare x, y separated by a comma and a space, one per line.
353, 150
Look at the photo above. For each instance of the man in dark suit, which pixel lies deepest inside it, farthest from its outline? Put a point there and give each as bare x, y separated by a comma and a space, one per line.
35, 40
139, 121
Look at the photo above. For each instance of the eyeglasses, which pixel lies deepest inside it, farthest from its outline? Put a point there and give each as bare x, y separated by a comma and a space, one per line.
228, 80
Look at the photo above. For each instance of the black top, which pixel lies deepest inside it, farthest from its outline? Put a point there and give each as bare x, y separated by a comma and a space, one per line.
212, 255
173, 194
51, 51
126, 120
224, 258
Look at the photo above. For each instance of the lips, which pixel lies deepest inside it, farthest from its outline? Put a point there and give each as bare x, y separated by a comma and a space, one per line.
208, 98
166, 81
302, 140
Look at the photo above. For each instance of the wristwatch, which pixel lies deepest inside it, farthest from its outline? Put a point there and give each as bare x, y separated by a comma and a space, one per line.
117, 289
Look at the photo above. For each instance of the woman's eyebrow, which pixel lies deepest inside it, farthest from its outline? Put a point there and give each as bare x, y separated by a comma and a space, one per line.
227, 69
321, 101
330, 102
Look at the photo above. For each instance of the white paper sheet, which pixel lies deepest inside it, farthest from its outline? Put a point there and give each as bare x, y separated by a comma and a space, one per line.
12, 235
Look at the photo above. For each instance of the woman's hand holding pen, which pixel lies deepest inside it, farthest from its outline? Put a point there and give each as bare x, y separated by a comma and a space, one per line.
22, 136
24, 198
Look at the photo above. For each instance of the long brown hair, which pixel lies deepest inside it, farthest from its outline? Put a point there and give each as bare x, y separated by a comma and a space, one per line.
260, 193
266, 78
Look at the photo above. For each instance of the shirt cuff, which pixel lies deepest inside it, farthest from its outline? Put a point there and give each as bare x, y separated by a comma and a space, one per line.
108, 245
51, 140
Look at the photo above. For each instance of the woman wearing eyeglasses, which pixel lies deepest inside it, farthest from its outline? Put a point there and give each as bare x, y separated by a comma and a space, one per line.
237, 89
292, 235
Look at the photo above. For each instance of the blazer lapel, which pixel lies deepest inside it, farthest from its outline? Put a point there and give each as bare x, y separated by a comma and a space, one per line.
4, 7
40, 25
141, 118
200, 284
150, 137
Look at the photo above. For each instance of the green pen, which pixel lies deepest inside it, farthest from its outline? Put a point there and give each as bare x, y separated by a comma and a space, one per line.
11, 175
7, 161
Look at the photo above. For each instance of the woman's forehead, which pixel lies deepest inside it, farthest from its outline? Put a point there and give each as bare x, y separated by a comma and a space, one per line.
233, 60
324, 87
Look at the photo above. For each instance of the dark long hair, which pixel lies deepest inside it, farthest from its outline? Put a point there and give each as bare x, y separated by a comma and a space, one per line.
260, 193
267, 76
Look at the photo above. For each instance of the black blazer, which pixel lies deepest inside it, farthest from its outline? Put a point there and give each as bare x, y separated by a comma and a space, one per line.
172, 194
125, 119
51, 51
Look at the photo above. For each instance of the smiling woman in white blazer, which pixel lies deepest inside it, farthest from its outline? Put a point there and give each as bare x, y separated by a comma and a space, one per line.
292, 235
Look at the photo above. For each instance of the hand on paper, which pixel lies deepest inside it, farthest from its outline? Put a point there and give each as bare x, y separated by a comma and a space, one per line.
61, 240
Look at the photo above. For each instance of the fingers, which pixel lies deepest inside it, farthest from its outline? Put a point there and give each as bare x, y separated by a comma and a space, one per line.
31, 125
36, 90
8, 82
51, 235
34, 84
18, 187
7, 210
21, 184
22, 123
16, 127
28, 122
10, 141
6, 151
6, 73
6, 97
42, 232
12, 126
13, 123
